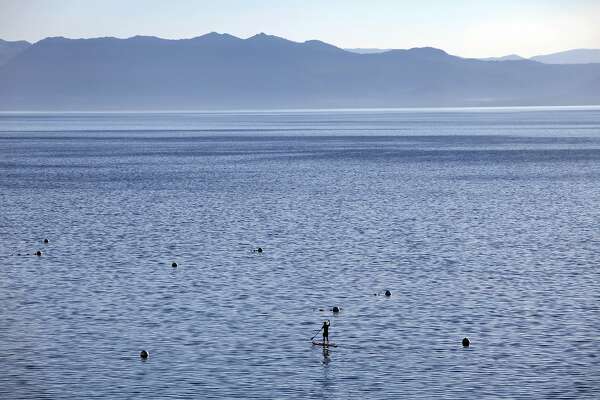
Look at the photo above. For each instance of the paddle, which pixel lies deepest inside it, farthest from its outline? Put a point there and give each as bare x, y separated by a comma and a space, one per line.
316, 333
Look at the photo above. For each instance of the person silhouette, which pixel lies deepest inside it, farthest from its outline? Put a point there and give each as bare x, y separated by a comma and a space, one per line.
325, 328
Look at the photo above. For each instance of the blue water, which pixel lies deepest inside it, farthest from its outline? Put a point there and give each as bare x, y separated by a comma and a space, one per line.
482, 223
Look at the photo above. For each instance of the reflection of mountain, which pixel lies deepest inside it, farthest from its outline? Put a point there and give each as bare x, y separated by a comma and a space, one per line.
222, 71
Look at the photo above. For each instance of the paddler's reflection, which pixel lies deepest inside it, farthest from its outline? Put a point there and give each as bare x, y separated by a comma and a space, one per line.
326, 357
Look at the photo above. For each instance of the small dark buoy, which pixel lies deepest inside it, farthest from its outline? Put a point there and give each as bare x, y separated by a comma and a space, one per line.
466, 342
174, 265
259, 249
46, 241
335, 309
38, 253
388, 293
144, 354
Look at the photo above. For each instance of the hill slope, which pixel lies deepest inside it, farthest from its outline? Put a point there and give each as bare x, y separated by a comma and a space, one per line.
9, 50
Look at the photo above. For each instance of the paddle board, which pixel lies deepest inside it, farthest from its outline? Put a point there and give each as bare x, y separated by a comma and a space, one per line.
330, 344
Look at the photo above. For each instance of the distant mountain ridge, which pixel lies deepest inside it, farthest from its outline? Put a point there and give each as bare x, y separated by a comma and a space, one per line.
9, 50
576, 56
510, 57
221, 71
367, 50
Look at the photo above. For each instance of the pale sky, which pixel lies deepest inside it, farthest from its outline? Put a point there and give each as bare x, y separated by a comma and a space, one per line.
461, 27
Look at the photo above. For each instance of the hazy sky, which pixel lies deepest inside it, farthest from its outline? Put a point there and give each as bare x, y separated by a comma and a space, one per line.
467, 28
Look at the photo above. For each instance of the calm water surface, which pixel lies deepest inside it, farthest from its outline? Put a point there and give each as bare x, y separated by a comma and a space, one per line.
483, 224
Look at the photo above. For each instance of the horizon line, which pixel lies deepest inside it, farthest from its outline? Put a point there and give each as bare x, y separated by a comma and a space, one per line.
311, 110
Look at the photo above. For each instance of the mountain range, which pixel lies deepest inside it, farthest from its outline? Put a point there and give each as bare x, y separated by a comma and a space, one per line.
575, 56
221, 71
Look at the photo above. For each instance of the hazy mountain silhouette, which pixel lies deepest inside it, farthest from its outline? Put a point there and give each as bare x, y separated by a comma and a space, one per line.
9, 50
576, 56
367, 50
219, 71
510, 57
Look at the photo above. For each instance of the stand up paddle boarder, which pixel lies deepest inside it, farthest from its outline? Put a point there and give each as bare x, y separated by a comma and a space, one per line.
325, 342
325, 328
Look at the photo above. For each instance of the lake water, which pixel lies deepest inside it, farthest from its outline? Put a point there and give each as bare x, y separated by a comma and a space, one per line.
481, 223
